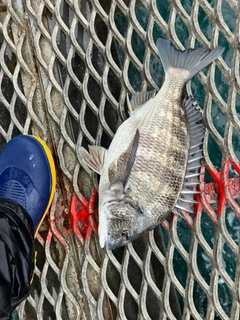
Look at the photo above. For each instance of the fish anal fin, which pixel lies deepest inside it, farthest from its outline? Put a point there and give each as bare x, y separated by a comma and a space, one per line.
95, 159
120, 170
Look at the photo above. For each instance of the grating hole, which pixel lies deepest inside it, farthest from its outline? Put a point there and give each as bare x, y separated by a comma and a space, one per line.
142, 16
153, 304
130, 307
211, 2
164, 9
200, 300
20, 112
236, 143
227, 54
30, 311
74, 96
97, 60
180, 267
228, 16
157, 32
134, 275
165, 234
114, 53
232, 224
48, 310
138, 46
63, 43
82, 36
78, 67
5, 117
205, 23
53, 284
156, 71
40, 253
181, 31
198, 91
105, 140
101, 29
224, 296
229, 260
114, 84
121, 23
64, 309
184, 234
158, 272
35, 288
73, 127
121, 54
218, 118
111, 274
187, 5
94, 90
214, 152
232, 172
66, 13
111, 116
7, 88
237, 105
61, 74
204, 263
134, 77
10, 60
207, 177
91, 122
221, 84
208, 229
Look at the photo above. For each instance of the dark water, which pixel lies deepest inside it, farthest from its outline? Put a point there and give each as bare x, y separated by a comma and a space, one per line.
208, 229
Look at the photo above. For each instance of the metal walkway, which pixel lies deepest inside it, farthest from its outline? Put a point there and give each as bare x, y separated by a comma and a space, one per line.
65, 69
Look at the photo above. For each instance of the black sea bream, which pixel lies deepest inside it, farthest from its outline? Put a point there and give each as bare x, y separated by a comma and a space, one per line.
152, 164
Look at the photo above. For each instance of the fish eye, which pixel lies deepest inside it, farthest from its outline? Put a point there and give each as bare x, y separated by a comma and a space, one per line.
125, 235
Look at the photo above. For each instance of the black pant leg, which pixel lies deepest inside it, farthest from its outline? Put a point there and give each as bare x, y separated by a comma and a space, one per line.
16, 256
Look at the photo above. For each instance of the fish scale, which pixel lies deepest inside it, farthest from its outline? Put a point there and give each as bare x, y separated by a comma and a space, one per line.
155, 198
151, 167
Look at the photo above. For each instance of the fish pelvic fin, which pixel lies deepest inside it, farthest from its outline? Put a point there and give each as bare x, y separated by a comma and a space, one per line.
95, 159
190, 60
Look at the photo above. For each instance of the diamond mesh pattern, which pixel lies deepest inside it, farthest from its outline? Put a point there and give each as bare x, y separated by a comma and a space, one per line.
66, 67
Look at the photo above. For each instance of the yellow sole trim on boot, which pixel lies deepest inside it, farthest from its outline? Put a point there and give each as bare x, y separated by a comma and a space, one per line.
53, 175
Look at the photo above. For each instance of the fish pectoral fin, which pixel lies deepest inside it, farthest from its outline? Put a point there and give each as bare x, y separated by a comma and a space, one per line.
120, 170
95, 159
138, 99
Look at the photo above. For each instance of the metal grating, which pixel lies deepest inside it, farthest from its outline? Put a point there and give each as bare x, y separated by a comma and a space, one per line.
66, 66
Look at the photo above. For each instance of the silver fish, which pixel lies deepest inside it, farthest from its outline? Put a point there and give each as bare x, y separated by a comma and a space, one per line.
151, 167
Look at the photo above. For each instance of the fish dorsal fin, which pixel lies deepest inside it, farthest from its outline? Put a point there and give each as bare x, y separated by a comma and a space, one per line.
95, 159
119, 170
138, 99
195, 154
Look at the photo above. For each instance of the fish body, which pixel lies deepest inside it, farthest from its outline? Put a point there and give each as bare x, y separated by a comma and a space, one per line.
146, 172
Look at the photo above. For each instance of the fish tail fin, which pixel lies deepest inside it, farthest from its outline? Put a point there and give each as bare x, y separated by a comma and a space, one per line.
190, 60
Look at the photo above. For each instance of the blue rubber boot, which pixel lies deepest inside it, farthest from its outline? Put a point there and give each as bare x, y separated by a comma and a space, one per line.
28, 176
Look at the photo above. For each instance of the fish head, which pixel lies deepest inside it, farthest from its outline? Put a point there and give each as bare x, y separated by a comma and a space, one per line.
118, 229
